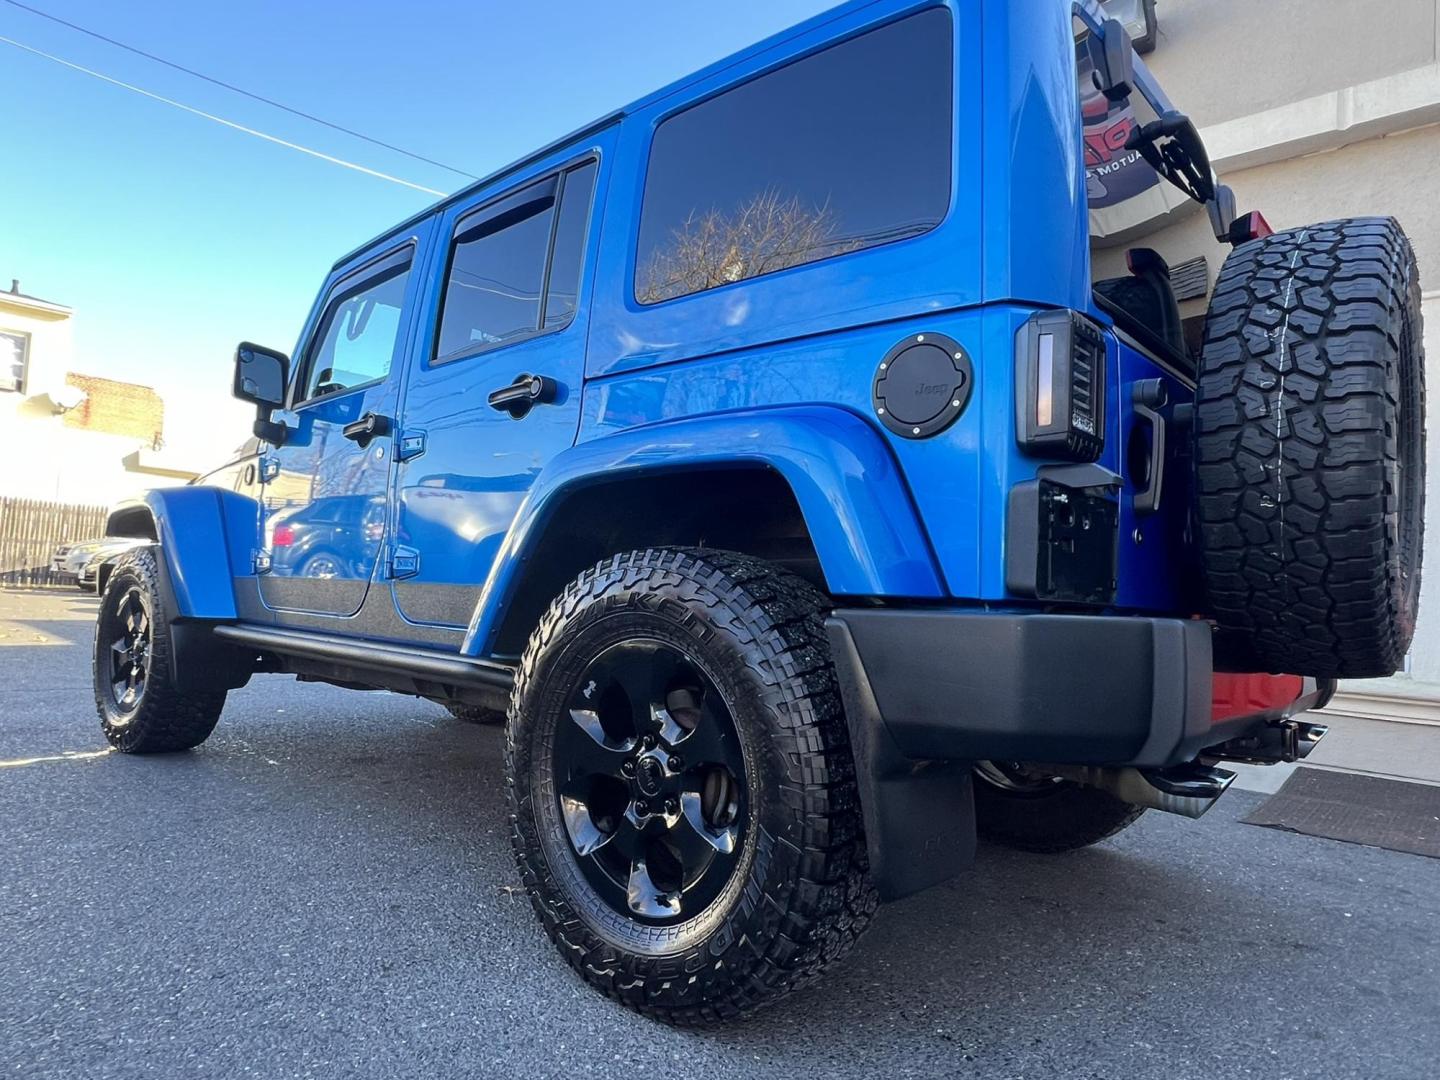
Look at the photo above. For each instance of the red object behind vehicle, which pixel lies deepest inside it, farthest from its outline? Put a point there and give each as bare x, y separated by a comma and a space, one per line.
1244, 695
1251, 226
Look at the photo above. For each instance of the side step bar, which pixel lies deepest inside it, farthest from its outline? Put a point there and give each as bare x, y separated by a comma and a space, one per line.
350, 653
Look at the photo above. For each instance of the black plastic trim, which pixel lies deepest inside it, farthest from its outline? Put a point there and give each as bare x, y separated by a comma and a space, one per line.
1146, 342
1065, 689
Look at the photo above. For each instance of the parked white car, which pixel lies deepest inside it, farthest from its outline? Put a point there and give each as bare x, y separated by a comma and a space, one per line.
84, 559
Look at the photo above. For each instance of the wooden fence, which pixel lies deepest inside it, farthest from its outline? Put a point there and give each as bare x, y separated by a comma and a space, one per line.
31, 530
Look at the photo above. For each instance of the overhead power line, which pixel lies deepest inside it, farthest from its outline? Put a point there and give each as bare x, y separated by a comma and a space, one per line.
240, 90
221, 120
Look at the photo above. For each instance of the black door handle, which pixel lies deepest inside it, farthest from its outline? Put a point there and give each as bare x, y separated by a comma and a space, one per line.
370, 426
523, 394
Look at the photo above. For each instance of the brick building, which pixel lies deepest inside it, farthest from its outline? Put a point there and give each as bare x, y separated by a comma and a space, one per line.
117, 408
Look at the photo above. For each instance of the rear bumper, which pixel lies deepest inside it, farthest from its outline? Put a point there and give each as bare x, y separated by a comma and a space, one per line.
1074, 689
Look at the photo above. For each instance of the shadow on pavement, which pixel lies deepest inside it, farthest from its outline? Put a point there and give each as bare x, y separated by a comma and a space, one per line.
327, 850
1019, 933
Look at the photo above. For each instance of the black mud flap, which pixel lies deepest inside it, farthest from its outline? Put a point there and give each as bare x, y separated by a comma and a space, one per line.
919, 815
198, 660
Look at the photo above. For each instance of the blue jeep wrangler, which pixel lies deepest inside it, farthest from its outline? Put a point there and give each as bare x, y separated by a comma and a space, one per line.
779, 454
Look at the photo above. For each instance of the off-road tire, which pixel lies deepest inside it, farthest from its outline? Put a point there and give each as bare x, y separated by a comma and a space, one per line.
800, 894
474, 714
1059, 816
164, 718
1310, 449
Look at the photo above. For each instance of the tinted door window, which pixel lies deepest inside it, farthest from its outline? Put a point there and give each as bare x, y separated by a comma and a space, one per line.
498, 289
359, 332
497, 272
563, 289
840, 151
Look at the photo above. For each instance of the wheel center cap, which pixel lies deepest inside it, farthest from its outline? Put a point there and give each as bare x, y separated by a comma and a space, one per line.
649, 776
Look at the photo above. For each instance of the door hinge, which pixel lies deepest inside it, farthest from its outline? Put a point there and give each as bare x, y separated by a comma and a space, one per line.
269, 468
260, 562
404, 561
410, 445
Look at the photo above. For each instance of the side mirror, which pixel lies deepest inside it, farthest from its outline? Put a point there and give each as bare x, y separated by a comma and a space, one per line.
261, 376
1113, 56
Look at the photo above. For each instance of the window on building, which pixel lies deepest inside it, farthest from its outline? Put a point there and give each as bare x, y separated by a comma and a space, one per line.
498, 289
840, 151
359, 333
14, 359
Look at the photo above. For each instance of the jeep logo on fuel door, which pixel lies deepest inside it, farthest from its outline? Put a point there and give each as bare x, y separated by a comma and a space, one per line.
921, 385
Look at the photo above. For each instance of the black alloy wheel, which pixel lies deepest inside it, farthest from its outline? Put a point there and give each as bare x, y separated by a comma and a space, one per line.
125, 630
650, 782
682, 795
143, 708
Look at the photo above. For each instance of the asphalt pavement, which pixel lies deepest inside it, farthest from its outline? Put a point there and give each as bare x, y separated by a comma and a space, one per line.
325, 889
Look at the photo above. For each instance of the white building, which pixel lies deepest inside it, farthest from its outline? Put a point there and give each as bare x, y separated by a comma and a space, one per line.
1313, 110
67, 437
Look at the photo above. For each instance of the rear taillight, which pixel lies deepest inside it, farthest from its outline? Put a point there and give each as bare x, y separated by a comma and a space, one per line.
1060, 386
1247, 227
284, 536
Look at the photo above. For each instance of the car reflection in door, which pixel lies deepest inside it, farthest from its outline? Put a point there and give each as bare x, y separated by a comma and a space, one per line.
320, 539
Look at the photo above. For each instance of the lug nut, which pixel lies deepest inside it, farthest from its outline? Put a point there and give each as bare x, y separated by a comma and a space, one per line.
628, 768
648, 741
671, 806
642, 807
676, 763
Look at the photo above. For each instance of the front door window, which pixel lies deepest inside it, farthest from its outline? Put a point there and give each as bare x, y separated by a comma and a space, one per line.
359, 333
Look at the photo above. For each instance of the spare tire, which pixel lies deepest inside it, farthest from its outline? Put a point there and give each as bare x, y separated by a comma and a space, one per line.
1310, 449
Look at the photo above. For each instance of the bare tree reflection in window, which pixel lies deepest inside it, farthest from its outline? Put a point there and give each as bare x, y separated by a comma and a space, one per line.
765, 234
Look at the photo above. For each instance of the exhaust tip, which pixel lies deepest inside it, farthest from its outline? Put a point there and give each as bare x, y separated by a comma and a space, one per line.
1187, 790
1305, 737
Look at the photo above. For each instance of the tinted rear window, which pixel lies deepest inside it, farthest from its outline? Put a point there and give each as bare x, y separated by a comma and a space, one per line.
834, 153
497, 271
515, 265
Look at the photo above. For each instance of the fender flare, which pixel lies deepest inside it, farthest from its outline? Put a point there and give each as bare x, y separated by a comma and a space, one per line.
205, 535
861, 518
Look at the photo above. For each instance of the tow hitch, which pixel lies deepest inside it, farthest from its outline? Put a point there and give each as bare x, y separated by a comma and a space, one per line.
1192, 789
1285, 740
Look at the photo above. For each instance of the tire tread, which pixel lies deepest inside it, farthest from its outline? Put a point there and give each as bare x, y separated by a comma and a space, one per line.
1298, 464
799, 922
167, 719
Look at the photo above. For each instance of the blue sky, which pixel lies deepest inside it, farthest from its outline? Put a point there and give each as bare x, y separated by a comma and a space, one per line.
173, 237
